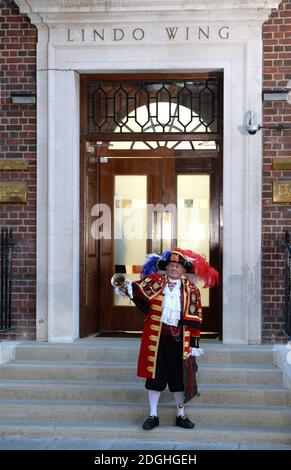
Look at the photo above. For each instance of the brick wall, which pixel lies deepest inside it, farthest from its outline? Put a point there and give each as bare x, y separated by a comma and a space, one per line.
18, 140
276, 217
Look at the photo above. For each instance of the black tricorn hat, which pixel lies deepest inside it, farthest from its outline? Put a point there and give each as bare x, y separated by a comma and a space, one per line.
175, 257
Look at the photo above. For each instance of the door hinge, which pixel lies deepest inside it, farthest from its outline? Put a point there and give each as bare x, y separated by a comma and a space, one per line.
103, 159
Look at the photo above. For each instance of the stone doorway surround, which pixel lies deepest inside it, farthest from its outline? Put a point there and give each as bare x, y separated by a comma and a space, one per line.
170, 35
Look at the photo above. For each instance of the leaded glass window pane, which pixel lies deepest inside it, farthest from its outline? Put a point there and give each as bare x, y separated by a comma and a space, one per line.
163, 106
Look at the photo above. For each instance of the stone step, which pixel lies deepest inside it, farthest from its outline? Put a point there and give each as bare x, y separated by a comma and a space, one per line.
89, 389
74, 443
107, 413
135, 392
162, 435
110, 371
127, 351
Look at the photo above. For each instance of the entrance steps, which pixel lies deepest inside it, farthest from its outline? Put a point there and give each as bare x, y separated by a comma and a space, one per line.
89, 389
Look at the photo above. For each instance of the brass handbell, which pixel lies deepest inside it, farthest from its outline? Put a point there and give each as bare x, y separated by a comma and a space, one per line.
118, 280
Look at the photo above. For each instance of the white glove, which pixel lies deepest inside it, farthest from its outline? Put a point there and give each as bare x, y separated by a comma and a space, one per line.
196, 352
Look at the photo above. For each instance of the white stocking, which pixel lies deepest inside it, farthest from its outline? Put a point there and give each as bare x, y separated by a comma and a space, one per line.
179, 397
154, 397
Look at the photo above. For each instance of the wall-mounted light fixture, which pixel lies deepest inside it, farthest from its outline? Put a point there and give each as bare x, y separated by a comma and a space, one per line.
276, 95
23, 98
283, 94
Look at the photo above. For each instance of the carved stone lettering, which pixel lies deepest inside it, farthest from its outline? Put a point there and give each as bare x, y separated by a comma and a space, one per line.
165, 33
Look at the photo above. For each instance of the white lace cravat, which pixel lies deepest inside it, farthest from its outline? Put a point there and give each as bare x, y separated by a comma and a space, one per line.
171, 313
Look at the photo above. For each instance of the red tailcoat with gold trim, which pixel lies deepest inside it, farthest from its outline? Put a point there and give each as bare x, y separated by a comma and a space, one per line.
150, 291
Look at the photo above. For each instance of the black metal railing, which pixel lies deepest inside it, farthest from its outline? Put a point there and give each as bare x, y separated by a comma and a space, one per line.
287, 285
6, 244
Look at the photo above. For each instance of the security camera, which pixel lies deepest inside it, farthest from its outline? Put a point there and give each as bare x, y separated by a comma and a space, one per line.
251, 126
252, 129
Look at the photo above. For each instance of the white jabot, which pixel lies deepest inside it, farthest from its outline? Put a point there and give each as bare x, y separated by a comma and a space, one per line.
171, 313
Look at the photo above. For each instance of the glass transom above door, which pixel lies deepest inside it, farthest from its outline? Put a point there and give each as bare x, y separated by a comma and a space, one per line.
155, 106
171, 144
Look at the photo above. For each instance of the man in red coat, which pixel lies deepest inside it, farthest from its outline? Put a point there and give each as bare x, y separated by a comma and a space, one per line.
172, 326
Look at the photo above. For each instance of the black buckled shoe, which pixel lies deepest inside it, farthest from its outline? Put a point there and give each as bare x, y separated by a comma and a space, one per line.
151, 422
184, 422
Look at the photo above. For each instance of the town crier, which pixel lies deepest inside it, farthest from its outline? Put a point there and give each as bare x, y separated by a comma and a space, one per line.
171, 329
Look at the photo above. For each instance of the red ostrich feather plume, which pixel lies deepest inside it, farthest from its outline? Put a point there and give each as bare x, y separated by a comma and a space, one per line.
200, 267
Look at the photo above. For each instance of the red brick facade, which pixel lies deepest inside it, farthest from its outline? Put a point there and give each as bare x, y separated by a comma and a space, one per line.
18, 140
276, 217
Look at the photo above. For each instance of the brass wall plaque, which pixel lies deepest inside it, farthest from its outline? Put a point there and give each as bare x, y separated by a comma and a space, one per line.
9, 164
282, 163
281, 191
13, 192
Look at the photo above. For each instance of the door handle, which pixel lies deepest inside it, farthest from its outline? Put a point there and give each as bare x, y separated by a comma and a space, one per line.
162, 231
166, 230
156, 232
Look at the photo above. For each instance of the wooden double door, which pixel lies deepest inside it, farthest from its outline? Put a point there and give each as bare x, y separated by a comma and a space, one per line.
139, 202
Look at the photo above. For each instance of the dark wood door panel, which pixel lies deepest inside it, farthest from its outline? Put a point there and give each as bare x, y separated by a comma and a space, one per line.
89, 266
